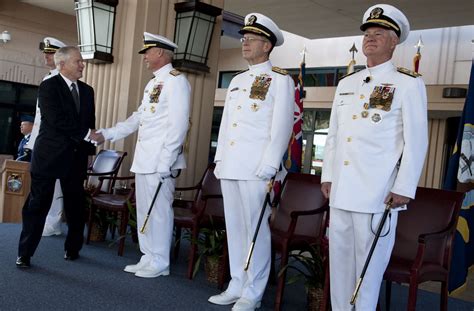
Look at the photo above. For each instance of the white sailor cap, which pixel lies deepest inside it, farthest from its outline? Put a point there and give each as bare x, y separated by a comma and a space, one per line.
387, 16
51, 45
151, 40
261, 25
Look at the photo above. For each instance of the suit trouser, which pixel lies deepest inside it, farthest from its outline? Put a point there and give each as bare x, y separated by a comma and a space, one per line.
53, 219
350, 237
155, 243
38, 204
243, 201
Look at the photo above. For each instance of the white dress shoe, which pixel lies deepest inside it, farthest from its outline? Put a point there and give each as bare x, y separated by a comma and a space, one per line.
50, 230
246, 304
134, 268
223, 299
151, 272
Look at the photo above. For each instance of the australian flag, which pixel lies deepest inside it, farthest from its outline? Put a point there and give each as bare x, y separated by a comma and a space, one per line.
461, 168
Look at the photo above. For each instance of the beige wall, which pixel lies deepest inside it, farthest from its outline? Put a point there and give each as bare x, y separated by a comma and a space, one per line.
20, 59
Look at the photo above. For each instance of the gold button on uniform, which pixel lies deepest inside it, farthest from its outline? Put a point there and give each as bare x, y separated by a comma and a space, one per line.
354, 116
234, 124
232, 143
239, 107
346, 162
362, 96
245, 90
349, 139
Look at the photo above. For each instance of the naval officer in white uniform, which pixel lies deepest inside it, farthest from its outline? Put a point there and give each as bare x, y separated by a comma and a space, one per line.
253, 136
375, 150
52, 226
162, 122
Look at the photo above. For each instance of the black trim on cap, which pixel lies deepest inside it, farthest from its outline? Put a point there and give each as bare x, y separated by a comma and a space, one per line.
382, 21
148, 44
265, 31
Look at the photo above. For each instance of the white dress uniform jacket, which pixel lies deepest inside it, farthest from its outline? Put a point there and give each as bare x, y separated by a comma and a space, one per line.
159, 120
256, 124
371, 151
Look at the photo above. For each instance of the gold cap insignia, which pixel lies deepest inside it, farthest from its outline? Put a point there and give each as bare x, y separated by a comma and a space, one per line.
376, 12
252, 20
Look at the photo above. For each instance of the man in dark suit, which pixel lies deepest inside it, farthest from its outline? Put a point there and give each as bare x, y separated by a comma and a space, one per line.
68, 114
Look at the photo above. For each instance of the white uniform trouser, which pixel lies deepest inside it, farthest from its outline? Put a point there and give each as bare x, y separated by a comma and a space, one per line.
350, 237
155, 243
243, 201
53, 220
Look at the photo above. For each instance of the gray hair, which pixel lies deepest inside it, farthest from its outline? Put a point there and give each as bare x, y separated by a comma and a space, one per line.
169, 54
394, 35
63, 54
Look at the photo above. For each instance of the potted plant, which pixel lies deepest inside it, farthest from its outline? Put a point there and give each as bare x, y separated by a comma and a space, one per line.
309, 265
210, 242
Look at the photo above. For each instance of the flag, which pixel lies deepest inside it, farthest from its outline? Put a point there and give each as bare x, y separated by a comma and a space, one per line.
292, 158
417, 57
460, 168
350, 66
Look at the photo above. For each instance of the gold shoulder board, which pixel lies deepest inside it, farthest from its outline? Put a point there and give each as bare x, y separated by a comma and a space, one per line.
408, 72
239, 72
175, 72
279, 70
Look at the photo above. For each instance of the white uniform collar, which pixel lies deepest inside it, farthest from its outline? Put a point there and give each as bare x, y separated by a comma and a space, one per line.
54, 71
265, 66
382, 68
163, 70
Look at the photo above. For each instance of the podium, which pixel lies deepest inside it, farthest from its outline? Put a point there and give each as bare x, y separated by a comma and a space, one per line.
15, 187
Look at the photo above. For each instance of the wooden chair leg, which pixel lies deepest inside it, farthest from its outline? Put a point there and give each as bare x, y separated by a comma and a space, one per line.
223, 275
412, 292
281, 279
273, 276
444, 296
192, 253
325, 302
388, 294
177, 242
89, 223
122, 231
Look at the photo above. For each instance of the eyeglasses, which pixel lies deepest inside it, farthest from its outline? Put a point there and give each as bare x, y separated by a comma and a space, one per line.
251, 39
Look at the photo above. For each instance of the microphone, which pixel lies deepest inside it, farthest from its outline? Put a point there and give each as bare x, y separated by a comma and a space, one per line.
367, 79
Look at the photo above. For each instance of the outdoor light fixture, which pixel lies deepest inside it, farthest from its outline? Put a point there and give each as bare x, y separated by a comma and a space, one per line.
5, 36
95, 27
193, 32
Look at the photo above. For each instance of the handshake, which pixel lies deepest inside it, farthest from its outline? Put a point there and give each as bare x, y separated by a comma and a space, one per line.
94, 137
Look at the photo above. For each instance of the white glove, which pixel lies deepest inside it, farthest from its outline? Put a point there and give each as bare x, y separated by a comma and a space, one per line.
164, 175
266, 172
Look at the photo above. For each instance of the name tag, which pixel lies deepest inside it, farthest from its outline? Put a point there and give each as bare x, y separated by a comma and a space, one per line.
234, 89
348, 93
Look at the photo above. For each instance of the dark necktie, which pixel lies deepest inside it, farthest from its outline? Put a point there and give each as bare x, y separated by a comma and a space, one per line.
75, 97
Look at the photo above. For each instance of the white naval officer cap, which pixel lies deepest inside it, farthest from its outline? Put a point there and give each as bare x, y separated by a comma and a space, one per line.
151, 41
51, 45
387, 16
261, 25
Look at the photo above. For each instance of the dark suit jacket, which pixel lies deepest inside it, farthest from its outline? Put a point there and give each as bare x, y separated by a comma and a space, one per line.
60, 148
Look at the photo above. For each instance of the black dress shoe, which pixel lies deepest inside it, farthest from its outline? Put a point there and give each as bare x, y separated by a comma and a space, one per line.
23, 262
71, 255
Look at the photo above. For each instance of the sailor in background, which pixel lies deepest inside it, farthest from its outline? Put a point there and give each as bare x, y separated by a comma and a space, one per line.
374, 154
254, 133
52, 226
26, 126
